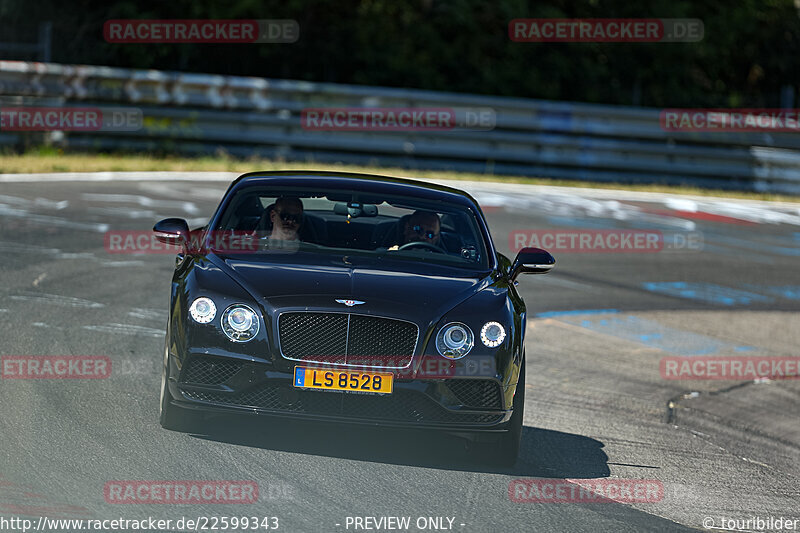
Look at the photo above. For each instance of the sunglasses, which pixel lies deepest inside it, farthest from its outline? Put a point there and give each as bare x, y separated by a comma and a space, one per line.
419, 230
289, 217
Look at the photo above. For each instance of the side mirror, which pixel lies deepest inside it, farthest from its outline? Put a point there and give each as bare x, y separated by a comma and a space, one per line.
172, 231
532, 261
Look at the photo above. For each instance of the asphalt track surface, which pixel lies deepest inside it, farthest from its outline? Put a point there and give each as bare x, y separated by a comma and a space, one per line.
597, 406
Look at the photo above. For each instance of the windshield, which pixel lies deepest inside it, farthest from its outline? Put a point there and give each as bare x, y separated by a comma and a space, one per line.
402, 228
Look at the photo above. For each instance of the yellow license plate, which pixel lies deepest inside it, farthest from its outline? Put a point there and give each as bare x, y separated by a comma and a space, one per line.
344, 380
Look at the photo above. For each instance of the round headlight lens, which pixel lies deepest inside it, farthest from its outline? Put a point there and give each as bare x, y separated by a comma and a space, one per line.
203, 310
240, 323
240, 319
493, 334
454, 340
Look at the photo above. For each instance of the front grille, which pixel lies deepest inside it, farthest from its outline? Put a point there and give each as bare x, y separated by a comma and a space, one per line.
401, 406
207, 371
343, 338
306, 335
481, 393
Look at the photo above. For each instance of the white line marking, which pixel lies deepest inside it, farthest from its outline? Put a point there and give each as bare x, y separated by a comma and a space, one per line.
8, 211
148, 314
144, 201
126, 329
19, 247
56, 299
133, 263
125, 212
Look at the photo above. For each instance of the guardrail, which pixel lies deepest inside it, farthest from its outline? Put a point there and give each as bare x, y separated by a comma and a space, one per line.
202, 113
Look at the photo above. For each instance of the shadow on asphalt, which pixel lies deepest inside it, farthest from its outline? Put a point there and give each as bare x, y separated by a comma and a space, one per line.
544, 453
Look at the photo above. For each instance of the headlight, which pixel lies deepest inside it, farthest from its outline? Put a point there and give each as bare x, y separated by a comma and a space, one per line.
493, 334
240, 323
203, 310
454, 340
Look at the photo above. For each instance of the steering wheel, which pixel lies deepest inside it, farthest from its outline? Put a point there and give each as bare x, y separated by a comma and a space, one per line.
423, 244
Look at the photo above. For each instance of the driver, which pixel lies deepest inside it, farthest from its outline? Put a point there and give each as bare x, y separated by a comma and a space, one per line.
286, 218
422, 226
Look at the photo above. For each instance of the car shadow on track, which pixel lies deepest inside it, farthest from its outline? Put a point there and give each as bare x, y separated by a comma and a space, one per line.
544, 453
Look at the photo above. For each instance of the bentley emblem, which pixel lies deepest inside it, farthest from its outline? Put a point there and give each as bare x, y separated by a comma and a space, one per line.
350, 303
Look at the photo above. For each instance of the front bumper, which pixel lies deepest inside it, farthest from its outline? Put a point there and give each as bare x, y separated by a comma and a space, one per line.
224, 384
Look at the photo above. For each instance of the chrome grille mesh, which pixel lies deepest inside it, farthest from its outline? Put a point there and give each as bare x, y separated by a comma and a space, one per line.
306, 335
342, 338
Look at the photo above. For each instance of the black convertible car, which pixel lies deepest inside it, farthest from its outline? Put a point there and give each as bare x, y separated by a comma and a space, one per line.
351, 298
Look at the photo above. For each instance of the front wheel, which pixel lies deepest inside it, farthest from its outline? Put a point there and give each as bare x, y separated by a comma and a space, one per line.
504, 450
510, 442
170, 416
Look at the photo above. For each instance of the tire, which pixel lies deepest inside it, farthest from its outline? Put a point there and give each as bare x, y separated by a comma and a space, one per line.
508, 449
504, 450
170, 416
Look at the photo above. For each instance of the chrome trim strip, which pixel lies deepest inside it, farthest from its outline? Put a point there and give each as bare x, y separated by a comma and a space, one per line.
346, 339
345, 364
542, 267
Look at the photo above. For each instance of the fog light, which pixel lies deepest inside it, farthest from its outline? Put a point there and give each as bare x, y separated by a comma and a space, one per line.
203, 310
493, 334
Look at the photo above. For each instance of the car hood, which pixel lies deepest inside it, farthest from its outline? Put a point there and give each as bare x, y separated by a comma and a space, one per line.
421, 298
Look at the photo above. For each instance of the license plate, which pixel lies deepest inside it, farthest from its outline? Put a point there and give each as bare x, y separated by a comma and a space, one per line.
343, 380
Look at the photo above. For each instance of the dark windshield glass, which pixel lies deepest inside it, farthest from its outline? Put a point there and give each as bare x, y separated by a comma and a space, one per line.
382, 227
